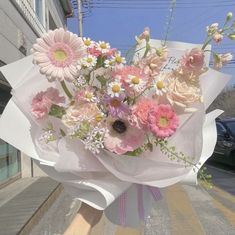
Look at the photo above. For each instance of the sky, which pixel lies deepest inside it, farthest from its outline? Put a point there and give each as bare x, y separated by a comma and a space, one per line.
118, 21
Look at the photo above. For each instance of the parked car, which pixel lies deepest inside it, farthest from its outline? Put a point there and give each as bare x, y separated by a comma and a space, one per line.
225, 147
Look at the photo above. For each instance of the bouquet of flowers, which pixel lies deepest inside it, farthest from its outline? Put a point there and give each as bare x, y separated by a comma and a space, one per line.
98, 121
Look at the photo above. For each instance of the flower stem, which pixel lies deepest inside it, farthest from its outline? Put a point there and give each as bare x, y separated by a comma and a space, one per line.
206, 43
66, 90
201, 174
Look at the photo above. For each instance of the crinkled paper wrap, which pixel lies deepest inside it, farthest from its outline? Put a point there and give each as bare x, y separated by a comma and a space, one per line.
99, 180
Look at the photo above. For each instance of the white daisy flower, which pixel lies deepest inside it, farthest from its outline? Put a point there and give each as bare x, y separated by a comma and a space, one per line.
160, 87
102, 46
87, 62
89, 96
108, 63
118, 59
136, 83
115, 88
88, 42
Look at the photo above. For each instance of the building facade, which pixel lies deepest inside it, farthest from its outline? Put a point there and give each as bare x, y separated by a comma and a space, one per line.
21, 22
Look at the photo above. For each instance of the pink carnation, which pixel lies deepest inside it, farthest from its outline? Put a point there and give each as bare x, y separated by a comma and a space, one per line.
163, 121
123, 74
193, 61
111, 52
42, 102
93, 51
152, 63
140, 111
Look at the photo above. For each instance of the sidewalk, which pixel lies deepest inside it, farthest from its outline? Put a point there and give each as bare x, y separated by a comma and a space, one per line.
184, 210
23, 203
41, 207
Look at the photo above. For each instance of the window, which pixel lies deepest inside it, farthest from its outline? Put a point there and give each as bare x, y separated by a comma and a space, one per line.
220, 129
52, 24
9, 162
5, 90
231, 126
9, 156
39, 8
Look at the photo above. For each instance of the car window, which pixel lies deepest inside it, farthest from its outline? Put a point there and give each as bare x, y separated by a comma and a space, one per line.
231, 126
220, 129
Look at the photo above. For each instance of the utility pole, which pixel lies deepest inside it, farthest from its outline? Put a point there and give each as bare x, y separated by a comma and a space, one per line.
80, 28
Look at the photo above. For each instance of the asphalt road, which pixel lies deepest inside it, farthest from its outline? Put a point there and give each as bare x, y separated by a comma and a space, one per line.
223, 177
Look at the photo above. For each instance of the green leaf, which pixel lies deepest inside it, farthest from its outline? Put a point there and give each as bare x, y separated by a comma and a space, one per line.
62, 133
102, 80
100, 61
134, 153
231, 36
57, 111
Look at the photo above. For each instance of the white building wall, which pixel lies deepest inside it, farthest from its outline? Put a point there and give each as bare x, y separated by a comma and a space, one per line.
17, 31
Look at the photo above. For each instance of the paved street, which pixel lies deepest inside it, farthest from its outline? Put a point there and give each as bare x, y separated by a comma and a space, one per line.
183, 210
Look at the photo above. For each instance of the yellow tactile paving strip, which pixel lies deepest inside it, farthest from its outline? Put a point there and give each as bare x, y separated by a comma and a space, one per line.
183, 218
228, 214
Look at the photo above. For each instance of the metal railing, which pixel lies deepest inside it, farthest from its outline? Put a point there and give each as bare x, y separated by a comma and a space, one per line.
27, 11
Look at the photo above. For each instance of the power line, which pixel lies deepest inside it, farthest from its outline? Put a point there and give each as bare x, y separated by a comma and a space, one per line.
158, 4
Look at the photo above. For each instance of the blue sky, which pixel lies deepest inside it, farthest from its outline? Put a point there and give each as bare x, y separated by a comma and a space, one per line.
120, 25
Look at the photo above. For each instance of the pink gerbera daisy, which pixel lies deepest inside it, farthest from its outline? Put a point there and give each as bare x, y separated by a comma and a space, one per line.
57, 53
163, 121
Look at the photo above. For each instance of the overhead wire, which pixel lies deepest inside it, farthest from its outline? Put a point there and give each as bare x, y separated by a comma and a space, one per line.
147, 4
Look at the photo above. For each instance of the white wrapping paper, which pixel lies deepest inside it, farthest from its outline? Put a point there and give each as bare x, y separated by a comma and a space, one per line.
99, 180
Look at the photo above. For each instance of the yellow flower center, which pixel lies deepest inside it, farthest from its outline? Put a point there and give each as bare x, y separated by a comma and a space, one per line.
87, 43
160, 85
98, 117
88, 95
163, 122
60, 55
118, 59
116, 88
115, 103
89, 60
110, 62
135, 80
103, 46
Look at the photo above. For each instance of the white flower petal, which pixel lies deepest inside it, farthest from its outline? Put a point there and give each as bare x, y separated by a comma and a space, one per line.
49, 38
66, 38
41, 59
67, 75
49, 70
59, 34
73, 70
42, 43
37, 47
60, 74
